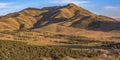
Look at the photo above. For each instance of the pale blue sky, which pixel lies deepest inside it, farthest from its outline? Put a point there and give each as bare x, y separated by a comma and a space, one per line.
103, 7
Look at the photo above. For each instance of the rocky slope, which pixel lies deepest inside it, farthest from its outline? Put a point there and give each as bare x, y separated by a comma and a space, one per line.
70, 15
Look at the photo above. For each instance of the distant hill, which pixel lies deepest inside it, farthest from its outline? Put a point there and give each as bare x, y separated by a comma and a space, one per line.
70, 15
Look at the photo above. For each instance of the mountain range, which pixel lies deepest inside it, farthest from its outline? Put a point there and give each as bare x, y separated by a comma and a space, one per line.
69, 16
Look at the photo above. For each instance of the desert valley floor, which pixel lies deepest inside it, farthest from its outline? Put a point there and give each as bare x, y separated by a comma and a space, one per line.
94, 44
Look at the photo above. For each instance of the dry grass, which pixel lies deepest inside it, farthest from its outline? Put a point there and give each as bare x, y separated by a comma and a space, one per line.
92, 38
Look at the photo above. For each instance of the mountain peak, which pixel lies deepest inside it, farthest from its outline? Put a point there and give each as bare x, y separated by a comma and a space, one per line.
71, 4
69, 15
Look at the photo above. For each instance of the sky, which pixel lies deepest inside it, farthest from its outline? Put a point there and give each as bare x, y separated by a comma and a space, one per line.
109, 8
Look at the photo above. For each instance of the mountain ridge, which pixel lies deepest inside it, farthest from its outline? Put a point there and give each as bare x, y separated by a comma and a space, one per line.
70, 15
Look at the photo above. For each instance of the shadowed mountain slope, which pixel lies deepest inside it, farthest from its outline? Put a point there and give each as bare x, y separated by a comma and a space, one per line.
70, 15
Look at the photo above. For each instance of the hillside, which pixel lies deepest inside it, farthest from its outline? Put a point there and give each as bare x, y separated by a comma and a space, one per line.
65, 32
68, 16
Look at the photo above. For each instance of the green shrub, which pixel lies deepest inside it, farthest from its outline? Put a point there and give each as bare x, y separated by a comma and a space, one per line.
10, 50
